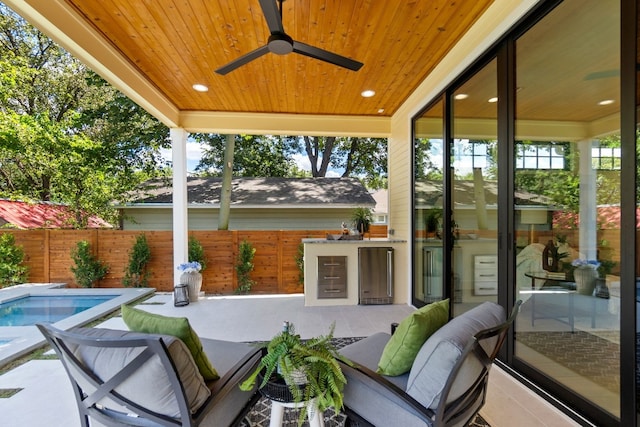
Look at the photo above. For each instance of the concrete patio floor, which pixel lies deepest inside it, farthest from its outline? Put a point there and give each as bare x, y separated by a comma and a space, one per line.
46, 397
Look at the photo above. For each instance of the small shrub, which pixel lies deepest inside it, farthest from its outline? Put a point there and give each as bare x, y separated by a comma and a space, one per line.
88, 269
12, 272
137, 274
244, 267
196, 253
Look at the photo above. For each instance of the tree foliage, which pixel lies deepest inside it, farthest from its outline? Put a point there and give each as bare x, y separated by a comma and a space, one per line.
356, 157
254, 156
137, 272
261, 156
244, 267
87, 268
65, 134
12, 269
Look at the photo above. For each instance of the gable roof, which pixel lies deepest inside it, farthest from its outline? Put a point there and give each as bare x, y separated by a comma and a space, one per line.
261, 192
27, 215
429, 194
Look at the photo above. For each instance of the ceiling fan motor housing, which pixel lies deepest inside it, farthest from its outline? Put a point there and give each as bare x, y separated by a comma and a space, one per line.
280, 44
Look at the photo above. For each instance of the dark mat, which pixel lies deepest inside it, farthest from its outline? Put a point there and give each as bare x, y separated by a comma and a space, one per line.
588, 355
259, 415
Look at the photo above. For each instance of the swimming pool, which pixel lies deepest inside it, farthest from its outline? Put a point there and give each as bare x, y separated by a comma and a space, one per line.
30, 310
19, 336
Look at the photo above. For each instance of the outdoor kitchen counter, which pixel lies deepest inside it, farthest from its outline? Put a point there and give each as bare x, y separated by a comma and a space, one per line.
314, 248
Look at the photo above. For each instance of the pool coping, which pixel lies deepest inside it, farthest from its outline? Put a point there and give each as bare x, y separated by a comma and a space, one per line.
24, 339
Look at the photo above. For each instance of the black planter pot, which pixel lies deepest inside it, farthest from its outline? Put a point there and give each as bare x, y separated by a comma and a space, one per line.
276, 389
602, 291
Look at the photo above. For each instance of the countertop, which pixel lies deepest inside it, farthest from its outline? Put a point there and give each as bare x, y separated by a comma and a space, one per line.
365, 241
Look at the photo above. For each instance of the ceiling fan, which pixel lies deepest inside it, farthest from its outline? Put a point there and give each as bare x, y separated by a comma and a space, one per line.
281, 44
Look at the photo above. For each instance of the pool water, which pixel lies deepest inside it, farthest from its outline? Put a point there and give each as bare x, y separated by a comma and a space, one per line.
46, 309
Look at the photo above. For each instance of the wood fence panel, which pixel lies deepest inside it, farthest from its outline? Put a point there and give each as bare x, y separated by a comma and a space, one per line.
33, 244
265, 261
290, 242
48, 254
220, 253
61, 243
161, 265
377, 230
113, 249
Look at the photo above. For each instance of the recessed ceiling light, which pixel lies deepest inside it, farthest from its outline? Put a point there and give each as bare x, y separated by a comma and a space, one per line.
606, 102
368, 93
494, 99
200, 88
461, 96
380, 110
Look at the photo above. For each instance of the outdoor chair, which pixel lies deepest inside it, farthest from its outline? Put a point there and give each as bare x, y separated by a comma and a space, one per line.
447, 383
138, 379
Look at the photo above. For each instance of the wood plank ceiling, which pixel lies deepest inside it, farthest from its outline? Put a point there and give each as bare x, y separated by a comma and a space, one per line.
178, 43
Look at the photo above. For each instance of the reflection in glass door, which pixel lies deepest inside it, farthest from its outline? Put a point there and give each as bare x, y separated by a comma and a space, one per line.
429, 278
567, 199
475, 190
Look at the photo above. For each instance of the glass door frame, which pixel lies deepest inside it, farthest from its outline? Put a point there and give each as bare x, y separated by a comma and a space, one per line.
504, 50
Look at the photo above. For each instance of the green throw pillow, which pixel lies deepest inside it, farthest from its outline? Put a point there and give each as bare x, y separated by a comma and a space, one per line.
403, 346
149, 323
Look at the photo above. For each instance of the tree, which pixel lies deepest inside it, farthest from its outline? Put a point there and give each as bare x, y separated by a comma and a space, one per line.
259, 156
137, 272
65, 134
319, 151
253, 156
365, 157
87, 268
227, 177
12, 270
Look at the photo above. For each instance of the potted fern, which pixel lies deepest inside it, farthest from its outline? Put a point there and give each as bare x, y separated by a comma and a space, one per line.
362, 219
293, 370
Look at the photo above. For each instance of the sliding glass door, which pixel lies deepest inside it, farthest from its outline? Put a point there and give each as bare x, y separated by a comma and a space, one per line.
428, 204
475, 188
567, 163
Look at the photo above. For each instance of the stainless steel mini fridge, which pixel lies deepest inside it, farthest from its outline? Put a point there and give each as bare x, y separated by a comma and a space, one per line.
375, 275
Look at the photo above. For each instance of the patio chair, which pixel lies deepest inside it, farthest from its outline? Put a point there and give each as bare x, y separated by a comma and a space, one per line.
447, 383
137, 379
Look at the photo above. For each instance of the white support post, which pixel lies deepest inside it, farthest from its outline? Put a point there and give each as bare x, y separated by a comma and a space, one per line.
180, 217
588, 205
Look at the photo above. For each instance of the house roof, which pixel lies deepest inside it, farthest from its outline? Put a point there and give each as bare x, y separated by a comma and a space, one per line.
26, 215
430, 193
261, 192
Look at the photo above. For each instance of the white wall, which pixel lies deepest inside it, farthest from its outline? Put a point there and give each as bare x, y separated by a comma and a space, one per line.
500, 16
241, 219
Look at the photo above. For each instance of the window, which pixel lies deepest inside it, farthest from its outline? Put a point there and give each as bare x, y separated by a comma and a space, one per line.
606, 158
542, 155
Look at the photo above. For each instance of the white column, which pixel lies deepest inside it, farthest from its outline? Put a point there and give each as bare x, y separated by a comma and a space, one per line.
180, 218
588, 207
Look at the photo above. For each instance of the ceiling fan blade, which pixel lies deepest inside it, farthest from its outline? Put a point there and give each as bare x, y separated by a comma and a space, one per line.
244, 59
326, 56
602, 74
272, 16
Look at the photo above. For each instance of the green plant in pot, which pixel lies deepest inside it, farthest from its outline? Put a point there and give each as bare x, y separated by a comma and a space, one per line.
308, 370
137, 271
433, 217
362, 219
87, 268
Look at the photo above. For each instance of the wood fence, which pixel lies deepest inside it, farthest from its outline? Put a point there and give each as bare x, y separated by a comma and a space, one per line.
48, 256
